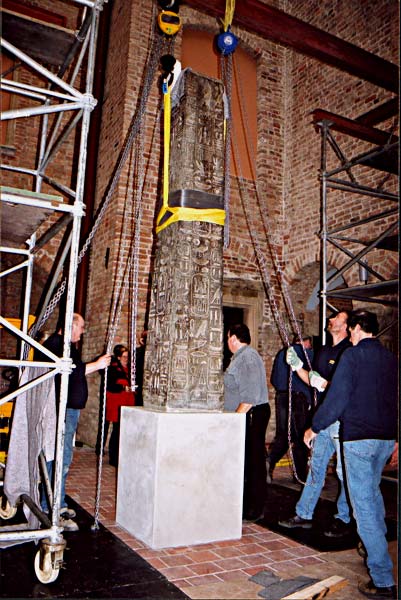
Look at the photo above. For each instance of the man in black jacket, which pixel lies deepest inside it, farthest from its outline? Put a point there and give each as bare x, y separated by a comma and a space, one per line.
76, 401
301, 401
328, 442
363, 396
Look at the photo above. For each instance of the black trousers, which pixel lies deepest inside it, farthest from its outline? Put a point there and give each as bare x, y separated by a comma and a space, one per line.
300, 418
114, 443
257, 420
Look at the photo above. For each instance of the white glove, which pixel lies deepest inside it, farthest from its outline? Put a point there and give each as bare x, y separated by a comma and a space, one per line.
317, 381
292, 359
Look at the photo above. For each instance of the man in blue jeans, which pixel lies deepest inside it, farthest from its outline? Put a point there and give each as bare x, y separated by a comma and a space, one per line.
363, 396
327, 443
76, 400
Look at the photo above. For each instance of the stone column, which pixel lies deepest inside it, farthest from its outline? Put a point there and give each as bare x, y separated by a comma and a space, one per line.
183, 360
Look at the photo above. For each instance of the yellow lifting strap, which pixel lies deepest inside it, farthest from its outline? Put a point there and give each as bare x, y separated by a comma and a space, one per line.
229, 14
179, 213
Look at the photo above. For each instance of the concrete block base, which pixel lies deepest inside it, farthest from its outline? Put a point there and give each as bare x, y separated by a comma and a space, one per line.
180, 476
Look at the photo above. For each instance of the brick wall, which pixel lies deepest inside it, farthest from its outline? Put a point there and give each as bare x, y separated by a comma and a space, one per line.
290, 86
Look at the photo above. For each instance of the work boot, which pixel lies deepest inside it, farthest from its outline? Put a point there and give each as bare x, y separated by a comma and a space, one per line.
253, 516
338, 529
361, 550
296, 522
67, 513
68, 524
370, 590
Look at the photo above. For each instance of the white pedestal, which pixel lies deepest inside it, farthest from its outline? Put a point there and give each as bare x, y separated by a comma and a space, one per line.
180, 476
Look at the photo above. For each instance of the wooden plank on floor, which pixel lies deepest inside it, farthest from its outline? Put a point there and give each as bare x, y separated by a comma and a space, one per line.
319, 590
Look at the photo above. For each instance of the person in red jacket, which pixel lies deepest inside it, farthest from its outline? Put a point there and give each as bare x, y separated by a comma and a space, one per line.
119, 393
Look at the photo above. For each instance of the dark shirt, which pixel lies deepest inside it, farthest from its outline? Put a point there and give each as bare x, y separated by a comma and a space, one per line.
327, 357
281, 372
77, 384
362, 394
326, 361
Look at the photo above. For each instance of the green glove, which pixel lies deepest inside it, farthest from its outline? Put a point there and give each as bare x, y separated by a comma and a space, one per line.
292, 359
317, 381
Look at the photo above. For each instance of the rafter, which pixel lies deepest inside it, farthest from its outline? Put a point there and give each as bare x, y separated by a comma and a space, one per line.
279, 27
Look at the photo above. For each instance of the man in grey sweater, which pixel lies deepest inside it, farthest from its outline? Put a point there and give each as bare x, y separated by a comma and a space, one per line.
245, 387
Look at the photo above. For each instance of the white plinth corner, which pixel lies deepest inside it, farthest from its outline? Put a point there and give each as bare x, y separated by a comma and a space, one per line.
180, 476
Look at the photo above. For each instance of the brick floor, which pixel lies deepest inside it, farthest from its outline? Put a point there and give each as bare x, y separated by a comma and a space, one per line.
215, 569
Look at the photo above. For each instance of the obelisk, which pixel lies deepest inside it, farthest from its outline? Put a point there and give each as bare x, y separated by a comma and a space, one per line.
183, 360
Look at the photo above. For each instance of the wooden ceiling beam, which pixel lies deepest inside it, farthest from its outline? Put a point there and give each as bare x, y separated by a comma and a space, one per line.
277, 26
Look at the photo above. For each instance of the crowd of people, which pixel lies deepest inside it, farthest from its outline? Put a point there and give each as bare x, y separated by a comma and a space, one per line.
355, 417
362, 396
341, 400
328, 441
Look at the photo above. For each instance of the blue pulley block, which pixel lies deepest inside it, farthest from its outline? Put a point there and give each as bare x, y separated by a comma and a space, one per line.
227, 42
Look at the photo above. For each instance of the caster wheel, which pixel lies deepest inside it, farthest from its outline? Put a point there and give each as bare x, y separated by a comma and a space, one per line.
46, 574
8, 512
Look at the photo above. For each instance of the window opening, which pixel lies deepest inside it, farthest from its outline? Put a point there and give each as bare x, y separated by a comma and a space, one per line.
198, 52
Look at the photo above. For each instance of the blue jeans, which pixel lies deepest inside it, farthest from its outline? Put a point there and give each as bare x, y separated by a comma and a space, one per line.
71, 424
44, 503
325, 445
364, 463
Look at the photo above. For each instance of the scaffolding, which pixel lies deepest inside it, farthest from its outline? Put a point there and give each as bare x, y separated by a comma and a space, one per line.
380, 157
68, 96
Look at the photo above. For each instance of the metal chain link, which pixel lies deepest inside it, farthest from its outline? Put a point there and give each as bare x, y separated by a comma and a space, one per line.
138, 212
131, 268
123, 280
157, 47
265, 275
226, 74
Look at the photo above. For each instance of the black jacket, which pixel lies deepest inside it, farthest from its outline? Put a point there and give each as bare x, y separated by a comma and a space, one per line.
77, 384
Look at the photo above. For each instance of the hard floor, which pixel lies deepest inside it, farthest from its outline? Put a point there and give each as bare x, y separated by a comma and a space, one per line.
219, 570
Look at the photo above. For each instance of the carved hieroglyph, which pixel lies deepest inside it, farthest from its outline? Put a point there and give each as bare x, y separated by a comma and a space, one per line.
183, 360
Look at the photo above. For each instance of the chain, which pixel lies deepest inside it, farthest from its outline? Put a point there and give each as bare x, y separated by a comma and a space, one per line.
158, 45
129, 273
95, 524
226, 75
50, 308
121, 278
138, 212
122, 284
264, 270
